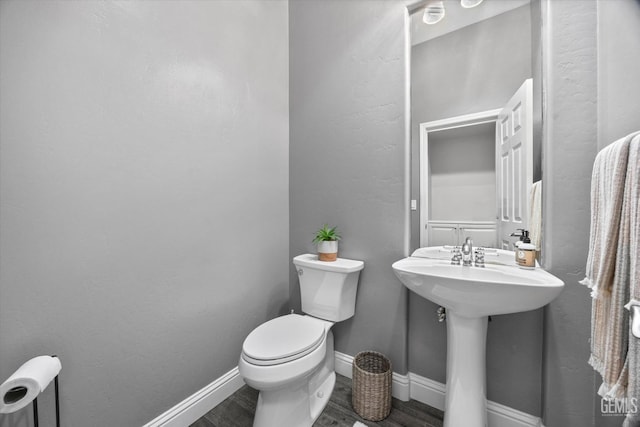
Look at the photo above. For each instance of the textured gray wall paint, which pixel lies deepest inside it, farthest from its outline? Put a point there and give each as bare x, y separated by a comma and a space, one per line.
464, 63
618, 64
144, 148
462, 162
570, 146
347, 155
476, 68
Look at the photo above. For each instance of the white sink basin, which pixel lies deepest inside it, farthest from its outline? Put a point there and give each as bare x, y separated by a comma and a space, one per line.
470, 294
500, 287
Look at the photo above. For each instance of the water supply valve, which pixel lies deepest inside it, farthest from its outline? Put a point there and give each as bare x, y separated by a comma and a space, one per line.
479, 257
456, 259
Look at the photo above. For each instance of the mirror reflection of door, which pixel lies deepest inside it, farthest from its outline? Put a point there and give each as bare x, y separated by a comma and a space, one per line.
514, 158
458, 180
476, 175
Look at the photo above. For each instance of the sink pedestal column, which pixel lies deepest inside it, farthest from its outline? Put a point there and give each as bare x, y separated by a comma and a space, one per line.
466, 400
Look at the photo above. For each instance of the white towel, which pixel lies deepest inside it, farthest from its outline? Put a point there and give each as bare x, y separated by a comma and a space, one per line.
359, 424
535, 214
632, 209
607, 190
612, 263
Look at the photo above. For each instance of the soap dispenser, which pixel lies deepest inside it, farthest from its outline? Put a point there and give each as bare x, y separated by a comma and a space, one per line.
517, 244
526, 252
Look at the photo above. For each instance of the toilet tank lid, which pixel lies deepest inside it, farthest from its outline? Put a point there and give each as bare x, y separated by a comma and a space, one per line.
341, 265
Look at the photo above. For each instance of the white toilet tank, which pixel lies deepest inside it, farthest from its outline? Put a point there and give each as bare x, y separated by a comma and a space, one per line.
328, 289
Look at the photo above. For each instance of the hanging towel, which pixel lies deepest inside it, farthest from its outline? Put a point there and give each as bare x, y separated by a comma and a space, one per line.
535, 214
608, 271
632, 207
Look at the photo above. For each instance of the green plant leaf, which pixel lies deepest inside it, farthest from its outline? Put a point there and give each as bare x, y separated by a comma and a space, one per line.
326, 233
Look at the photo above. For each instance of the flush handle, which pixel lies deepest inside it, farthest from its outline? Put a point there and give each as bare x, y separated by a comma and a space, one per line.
300, 272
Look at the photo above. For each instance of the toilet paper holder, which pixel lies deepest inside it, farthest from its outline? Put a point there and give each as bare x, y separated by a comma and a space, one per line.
35, 406
35, 403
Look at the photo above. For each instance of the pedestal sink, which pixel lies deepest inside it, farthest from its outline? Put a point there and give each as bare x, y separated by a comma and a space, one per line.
470, 295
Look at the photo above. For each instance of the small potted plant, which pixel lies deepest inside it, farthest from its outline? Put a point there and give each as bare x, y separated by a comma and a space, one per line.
327, 241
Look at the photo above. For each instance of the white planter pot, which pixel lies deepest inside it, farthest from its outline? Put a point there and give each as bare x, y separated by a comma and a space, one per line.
328, 250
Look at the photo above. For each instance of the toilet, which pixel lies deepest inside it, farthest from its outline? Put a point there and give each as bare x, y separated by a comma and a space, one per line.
290, 359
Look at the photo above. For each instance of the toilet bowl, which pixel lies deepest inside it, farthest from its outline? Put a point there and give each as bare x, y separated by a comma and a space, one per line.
294, 388
290, 359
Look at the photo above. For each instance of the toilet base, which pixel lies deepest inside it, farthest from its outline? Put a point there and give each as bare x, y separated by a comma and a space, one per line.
298, 404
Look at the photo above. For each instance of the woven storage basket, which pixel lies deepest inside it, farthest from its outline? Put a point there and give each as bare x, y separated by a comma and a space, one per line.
371, 397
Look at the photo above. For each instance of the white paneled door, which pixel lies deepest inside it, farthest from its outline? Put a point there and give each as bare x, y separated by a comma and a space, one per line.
514, 164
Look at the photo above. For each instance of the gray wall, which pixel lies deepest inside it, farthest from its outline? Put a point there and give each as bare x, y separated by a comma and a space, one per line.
476, 68
347, 155
589, 82
144, 148
465, 63
569, 149
618, 64
462, 163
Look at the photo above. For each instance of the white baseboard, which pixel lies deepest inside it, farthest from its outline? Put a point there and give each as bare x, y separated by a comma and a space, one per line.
195, 406
432, 393
344, 364
404, 387
399, 383
427, 391
504, 416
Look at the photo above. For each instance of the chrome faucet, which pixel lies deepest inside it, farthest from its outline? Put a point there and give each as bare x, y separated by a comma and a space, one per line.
466, 254
469, 242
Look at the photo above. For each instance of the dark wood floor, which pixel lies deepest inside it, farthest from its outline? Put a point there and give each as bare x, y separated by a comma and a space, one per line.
238, 410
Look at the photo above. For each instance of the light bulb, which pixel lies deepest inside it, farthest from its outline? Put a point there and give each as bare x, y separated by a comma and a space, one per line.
469, 3
433, 13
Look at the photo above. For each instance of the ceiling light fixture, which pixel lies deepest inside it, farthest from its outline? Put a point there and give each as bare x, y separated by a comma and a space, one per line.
434, 13
467, 4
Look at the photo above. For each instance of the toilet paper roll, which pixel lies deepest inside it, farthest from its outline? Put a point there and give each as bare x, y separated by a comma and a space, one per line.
27, 383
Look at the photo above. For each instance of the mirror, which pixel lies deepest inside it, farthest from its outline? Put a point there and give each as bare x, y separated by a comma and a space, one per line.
475, 120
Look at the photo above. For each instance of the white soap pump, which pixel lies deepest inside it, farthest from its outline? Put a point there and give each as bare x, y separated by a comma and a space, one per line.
517, 244
526, 252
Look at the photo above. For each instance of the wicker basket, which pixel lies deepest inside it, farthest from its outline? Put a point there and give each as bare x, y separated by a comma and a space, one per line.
371, 397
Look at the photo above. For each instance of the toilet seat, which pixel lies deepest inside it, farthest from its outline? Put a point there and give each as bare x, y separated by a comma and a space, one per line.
283, 339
